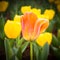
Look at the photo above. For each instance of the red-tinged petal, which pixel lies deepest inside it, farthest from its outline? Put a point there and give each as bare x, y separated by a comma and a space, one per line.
44, 26
40, 26
28, 21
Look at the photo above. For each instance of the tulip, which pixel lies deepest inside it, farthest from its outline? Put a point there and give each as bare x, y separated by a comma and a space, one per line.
58, 7
32, 26
17, 18
49, 14
12, 29
3, 6
44, 38
25, 9
36, 11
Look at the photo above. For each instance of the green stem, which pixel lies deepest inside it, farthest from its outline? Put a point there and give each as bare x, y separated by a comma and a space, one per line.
31, 51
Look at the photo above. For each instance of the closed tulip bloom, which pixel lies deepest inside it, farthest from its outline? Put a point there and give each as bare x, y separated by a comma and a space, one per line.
17, 18
25, 9
12, 29
3, 6
36, 11
32, 26
44, 38
51, 1
58, 7
49, 14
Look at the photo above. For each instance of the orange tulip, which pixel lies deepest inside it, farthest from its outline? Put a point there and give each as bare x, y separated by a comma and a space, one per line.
32, 26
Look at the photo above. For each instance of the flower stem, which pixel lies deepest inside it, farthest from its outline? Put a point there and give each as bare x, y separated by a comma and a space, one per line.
31, 51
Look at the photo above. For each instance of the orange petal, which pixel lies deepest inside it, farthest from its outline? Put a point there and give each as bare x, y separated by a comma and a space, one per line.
40, 26
44, 26
28, 21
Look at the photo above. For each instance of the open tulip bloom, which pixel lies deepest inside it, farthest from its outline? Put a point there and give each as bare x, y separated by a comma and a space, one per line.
31, 27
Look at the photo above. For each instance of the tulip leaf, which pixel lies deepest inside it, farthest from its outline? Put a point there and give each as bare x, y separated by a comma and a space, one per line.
36, 51
51, 25
8, 49
56, 52
21, 49
19, 41
2, 22
55, 41
44, 52
24, 46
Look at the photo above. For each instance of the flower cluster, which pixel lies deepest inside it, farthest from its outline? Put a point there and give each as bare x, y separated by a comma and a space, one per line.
29, 28
32, 24
48, 13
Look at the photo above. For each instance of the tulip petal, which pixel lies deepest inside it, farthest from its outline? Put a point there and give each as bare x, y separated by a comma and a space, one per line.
28, 22
40, 26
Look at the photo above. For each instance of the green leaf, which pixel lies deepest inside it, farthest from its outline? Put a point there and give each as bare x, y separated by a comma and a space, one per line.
37, 52
2, 22
51, 26
55, 41
56, 52
19, 41
21, 49
8, 49
24, 46
44, 52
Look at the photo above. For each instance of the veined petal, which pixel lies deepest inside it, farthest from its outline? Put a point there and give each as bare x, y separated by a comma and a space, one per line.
28, 22
40, 26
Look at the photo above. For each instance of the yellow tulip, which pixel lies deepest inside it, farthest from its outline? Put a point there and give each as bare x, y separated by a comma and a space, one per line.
17, 18
58, 7
3, 6
57, 2
49, 14
51, 1
12, 29
58, 34
25, 9
36, 11
44, 38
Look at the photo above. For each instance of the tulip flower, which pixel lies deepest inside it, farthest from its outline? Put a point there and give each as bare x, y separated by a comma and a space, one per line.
49, 14
36, 11
17, 18
32, 26
3, 6
12, 29
44, 38
25, 9
58, 7
51, 1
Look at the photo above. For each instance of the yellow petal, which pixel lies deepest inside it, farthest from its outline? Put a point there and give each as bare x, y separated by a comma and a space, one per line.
51, 1
36, 11
25, 9
57, 2
3, 6
12, 29
58, 7
49, 14
44, 38
17, 18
